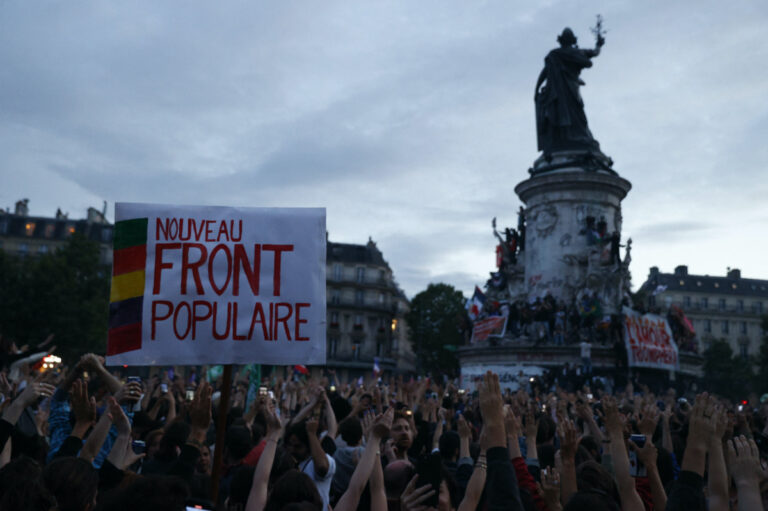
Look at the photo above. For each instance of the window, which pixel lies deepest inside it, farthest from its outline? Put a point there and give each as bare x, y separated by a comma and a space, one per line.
360, 274
23, 249
758, 307
721, 304
106, 234
334, 318
29, 228
333, 343
740, 305
686, 301
356, 351
4, 226
652, 301
358, 320
359, 297
707, 325
382, 298
724, 326
50, 227
335, 297
744, 350
704, 303
379, 349
42, 249
743, 328
337, 272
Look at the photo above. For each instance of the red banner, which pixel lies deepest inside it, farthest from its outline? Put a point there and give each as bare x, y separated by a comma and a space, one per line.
649, 341
484, 328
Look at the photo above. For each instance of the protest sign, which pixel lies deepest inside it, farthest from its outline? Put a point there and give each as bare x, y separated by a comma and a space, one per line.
649, 341
484, 328
217, 285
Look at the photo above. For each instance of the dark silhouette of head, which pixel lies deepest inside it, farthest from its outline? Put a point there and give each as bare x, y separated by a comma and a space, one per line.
294, 487
566, 38
73, 481
21, 486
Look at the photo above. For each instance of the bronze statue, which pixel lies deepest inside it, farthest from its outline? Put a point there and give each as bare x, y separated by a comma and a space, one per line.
560, 119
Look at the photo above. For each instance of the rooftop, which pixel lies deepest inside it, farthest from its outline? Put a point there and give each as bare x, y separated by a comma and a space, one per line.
350, 253
730, 284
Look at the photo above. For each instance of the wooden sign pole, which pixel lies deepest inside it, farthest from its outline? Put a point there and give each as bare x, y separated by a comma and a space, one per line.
221, 431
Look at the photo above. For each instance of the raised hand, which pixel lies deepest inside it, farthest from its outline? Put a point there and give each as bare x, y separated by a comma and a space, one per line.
744, 460
412, 497
491, 409
549, 488
118, 417
647, 454
129, 393
464, 430
569, 437
83, 407
511, 423
649, 418
199, 408
311, 426
531, 424
613, 422
383, 423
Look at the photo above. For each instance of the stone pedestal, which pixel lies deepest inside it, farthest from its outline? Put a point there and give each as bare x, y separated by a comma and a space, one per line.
558, 257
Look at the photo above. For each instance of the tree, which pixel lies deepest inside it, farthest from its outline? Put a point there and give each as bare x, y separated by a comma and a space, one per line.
433, 322
725, 373
65, 292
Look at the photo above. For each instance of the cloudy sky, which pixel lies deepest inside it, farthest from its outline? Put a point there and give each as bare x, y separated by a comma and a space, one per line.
410, 121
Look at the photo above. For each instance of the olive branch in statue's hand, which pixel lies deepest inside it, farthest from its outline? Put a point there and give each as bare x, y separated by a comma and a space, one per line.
599, 31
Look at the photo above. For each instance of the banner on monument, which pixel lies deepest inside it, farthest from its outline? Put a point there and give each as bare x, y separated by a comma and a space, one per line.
649, 341
217, 285
485, 328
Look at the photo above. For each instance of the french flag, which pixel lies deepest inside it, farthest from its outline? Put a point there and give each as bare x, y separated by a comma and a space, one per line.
376, 367
475, 304
301, 370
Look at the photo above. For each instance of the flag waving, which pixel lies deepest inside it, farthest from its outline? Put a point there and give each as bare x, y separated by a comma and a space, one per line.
475, 304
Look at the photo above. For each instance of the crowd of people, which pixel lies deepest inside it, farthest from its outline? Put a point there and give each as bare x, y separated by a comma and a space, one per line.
86, 438
550, 321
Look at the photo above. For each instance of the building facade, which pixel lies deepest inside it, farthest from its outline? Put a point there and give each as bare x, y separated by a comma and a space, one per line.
730, 308
29, 236
366, 312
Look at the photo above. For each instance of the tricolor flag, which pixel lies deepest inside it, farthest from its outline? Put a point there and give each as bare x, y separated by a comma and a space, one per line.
126, 298
376, 367
301, 370
475, 304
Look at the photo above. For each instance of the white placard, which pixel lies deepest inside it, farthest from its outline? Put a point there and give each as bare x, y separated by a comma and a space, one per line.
219, 285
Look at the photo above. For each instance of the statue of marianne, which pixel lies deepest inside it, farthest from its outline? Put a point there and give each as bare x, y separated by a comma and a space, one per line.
560, 119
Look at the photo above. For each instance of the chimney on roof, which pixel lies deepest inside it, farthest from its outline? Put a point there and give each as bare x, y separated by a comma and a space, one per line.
22, 207
734, 273
654, 271
681, 271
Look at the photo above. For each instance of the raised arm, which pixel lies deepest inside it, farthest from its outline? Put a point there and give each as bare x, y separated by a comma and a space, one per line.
744, 462
351, 497
330, 417
717, 482
96, 364
630, 500
257, 498
568, 434
316, 450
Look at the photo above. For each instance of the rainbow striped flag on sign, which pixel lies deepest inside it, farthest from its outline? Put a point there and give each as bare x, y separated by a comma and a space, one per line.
126, 298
